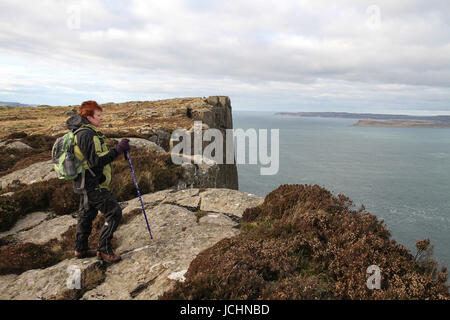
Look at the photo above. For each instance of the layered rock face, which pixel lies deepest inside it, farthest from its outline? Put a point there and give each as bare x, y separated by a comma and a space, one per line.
207, 174
183, 223
222, 119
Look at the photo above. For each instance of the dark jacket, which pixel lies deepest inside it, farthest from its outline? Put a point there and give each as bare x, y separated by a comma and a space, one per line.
90, 147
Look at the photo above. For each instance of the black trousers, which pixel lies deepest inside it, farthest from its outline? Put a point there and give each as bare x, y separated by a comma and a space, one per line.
98, 200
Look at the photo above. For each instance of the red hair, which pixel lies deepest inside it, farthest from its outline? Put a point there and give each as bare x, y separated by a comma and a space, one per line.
88, 108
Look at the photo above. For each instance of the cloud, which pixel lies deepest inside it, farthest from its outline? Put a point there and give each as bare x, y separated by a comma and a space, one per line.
323, 53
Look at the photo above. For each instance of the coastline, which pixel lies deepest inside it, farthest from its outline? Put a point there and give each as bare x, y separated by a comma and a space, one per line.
401, 124
380, 120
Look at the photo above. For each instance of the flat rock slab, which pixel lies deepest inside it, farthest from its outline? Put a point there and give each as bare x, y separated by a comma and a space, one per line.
40, 171
149, 200
135, 274
6, 281
148, 266
190, 203
18, 145
139, 143
29, 221
54, 283
228, 201
218, 219
188, 198
166, 222
47, 230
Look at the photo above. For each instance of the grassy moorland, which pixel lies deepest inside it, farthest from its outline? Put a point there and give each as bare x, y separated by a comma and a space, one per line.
47, 120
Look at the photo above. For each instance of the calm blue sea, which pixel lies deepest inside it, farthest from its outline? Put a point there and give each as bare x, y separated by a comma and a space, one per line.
401, 175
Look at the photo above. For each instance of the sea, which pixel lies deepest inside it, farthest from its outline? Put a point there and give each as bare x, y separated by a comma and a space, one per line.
401, 175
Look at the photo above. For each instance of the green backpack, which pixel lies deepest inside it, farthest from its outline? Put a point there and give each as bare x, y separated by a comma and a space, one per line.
67, 166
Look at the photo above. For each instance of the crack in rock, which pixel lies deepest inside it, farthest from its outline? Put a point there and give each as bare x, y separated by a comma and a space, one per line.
142, 286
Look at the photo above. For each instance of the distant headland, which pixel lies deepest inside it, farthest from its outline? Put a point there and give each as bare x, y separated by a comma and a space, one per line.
15, 104
381, 120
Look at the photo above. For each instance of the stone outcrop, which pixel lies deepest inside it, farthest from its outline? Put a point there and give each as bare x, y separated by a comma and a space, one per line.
202, 175
16, 145
38, 228
139, 143
219, 116
46, 230
40, 171
28, 222
183, 223
216, 114
55, 282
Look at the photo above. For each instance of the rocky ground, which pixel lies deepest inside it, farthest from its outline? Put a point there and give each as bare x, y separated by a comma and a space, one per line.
183, 223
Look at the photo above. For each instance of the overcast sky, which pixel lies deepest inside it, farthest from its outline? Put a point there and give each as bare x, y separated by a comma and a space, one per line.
388, 56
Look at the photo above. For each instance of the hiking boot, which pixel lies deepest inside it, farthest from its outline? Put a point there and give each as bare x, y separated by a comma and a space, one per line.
110, 258
89, 253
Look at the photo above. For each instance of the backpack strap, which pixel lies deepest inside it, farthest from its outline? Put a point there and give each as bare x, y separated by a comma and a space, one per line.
81, 129
89, 169
84, 204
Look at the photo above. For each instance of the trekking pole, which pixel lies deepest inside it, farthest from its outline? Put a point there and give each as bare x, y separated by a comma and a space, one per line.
127, 155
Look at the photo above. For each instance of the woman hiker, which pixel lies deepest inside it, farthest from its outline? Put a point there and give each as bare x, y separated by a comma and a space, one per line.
90, 147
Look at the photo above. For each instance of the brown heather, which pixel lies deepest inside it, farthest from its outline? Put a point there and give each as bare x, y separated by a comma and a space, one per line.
305, 243
52, 194
16, 160
154, 172
25, 256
